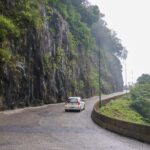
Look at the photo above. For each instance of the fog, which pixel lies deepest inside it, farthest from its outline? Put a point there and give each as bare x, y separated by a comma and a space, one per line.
130, 20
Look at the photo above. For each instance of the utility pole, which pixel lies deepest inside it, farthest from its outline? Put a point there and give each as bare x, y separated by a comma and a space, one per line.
132, 78
126, 78
100, 99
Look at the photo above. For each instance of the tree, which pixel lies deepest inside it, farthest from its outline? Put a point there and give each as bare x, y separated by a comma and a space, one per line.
140, 96
144, 79
89, 13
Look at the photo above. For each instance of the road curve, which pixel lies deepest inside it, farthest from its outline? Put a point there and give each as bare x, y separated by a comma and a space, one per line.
51, 128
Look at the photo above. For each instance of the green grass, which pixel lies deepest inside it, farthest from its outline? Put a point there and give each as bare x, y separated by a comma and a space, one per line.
121, 109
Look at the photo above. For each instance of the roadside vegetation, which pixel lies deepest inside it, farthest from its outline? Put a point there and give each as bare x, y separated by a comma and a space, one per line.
121, 109
140, 96
134, 108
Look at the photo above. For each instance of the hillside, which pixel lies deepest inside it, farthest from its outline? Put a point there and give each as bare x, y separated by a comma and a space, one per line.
49, 51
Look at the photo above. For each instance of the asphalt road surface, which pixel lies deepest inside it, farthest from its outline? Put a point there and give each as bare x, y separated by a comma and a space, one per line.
51, 128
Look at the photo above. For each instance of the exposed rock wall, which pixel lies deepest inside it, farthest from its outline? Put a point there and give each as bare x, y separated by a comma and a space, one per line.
45, 66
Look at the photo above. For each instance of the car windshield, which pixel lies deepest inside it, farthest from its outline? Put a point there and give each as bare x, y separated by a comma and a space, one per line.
73, 100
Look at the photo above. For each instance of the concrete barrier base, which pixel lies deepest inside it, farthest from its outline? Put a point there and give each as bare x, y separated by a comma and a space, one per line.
133, 130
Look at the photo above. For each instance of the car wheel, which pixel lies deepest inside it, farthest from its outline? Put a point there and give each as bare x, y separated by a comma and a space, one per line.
84, 107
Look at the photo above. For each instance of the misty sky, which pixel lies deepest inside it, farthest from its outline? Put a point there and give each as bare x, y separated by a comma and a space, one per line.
131, 21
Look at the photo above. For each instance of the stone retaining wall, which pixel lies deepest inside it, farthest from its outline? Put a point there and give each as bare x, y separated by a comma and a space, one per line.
133, 130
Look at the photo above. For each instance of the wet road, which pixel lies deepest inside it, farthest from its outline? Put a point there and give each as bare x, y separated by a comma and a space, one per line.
51, 128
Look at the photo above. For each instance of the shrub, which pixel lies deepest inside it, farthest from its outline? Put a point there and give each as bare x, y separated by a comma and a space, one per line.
5, 55
7, 28
140, 96
120, 109
143, 107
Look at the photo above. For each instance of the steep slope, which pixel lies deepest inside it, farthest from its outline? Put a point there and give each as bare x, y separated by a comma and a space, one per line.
47, 52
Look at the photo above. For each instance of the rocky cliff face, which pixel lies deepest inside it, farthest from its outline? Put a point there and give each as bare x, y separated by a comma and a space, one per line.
43, 64
44, 69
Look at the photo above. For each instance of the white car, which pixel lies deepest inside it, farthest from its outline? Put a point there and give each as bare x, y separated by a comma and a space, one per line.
74, 103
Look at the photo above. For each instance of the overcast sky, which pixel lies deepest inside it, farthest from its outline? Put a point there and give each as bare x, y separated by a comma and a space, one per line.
131, 21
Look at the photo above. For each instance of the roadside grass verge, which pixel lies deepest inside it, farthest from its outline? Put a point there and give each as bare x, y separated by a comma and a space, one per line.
121, 109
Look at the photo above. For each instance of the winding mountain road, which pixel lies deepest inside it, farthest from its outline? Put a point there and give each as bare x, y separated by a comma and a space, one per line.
51, 128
